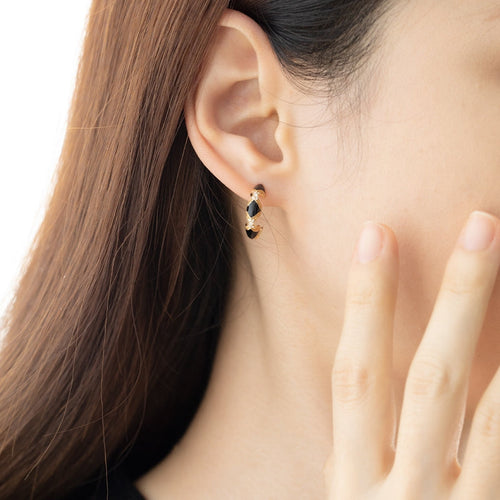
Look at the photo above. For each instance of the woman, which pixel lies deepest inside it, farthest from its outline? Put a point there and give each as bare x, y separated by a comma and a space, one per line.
153, 350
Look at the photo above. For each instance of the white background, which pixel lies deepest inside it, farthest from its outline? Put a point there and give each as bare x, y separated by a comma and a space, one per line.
40, 44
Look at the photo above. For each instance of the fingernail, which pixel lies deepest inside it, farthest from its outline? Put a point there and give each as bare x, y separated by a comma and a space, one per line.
370, 242
478, 232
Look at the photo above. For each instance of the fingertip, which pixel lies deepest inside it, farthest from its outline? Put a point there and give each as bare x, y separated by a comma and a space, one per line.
370, 242
391, 240
374, 241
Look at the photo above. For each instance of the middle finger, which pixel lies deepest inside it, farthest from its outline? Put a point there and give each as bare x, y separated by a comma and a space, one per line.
436, 388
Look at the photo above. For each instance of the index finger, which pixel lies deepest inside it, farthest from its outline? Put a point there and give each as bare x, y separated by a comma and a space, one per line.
363, 401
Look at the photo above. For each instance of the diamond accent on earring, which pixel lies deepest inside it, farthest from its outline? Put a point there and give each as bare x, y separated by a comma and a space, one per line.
255, 195
250, 223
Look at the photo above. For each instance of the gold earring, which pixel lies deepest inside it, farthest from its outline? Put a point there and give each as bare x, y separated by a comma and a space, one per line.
254, 209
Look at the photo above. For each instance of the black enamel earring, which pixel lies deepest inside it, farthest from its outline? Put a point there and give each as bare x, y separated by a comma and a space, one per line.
254, 209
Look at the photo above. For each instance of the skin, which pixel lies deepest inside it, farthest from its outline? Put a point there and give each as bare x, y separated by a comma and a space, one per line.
419, 155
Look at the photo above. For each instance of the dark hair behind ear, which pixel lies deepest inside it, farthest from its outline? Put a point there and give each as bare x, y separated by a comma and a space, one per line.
110, 338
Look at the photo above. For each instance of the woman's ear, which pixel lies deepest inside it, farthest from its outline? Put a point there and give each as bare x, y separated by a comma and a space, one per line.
237, 117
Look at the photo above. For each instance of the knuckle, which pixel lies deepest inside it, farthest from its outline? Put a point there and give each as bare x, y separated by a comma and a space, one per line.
430, 379
464, 282
488, 419
361, 295
406, 490
350, 381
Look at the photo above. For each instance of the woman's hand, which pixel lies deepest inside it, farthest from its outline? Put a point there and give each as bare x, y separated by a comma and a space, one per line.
423, 465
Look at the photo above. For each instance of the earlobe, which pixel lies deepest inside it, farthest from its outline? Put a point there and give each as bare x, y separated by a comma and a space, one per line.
235, 116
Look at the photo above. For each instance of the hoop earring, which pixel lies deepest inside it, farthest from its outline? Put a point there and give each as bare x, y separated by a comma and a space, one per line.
254, 209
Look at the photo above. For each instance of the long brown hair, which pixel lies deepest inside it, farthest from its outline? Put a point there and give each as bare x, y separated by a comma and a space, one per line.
110, 337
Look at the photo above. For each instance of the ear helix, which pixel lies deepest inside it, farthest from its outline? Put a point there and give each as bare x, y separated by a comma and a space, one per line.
254, 209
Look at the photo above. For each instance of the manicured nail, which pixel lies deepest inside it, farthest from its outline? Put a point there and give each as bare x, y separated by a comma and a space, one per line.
478, 232
370, 242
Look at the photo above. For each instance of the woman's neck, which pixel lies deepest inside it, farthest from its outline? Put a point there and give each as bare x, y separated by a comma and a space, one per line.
265, 422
